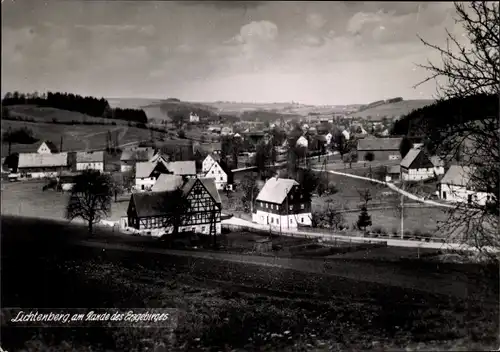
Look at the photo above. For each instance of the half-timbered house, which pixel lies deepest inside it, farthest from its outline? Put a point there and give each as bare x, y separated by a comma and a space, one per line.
146, 211
281, 203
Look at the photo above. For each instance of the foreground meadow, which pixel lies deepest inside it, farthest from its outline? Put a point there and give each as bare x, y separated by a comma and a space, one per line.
227, 306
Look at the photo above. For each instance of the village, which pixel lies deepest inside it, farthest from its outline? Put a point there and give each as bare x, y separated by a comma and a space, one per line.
215, 175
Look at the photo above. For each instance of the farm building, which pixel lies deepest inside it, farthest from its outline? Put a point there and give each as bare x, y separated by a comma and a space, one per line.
280, 203
382, 148
393, 173
416, 166
47, 147
182, 168
35, 165
222, 175
130, 157
146, 174
456, 186
90, 161
346, 134
145, 210
226, 131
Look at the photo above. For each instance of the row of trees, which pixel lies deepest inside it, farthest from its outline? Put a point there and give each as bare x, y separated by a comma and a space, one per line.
73, 102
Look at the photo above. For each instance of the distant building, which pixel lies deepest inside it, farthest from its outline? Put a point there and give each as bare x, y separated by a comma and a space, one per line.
167, 182
132, 156
146, 213
302, 142
42, 165
47, 147
146, 174
456, 186
209, 160
416, 166
185, 169
438, 165
393, 173
328, 137
90, 161
226, 131
382, 148
222, 175
280, 204
346, 134
194, 117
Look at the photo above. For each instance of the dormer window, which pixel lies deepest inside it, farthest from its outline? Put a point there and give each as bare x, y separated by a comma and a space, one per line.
291, 196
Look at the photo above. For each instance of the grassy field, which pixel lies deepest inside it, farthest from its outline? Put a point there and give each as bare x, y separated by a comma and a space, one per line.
227, 306
392, 110
28, 199
75, 137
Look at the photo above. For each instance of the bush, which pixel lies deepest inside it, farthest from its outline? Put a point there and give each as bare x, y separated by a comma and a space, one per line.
417, 233
407, 234
377, 229
383, 231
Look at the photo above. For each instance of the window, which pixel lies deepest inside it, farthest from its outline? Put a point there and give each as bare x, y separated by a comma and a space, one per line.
267, 205
302, 220
291, 207
193, 229
142, 187
469, 198
213, 172
291, 221
219, 171
221, 178
203, 228
277, 220
272, 220
444, 195
302, 206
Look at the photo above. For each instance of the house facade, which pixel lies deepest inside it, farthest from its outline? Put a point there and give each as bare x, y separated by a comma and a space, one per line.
47, 147
382, 148
416, 166
194, 118
302, 142
146, 174
146, 214
44, 165
456, 186
130, 157
90, 161
280, 204
209, 160
221, 175
439, 167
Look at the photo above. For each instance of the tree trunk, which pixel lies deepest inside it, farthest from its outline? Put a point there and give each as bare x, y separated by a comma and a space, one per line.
91, 228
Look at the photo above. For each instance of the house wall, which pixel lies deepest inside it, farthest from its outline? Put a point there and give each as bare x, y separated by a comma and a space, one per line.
439, 170
160, 231
145, 184
460, 194
286, 221
44, 172
43, 149
219, 176
90, 166
417, 174
380, 155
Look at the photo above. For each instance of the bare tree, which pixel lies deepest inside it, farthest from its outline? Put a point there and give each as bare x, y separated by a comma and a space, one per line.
471, 69
90, 198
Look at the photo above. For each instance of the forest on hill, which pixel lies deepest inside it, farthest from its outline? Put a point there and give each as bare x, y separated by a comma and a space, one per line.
73, 102
443, 113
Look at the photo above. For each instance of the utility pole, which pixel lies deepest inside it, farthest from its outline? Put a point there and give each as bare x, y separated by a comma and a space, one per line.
402, 211
61, 145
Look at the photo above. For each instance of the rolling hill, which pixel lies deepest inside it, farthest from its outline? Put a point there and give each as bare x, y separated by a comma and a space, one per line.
391, 110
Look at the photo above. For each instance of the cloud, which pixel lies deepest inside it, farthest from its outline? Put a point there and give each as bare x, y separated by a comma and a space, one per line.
106, 28
311, 40
224, 4
257, 31
315, 21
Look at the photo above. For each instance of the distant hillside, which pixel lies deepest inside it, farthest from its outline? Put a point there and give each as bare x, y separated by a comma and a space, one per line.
33, 113
130, 103
163, 110
389, 108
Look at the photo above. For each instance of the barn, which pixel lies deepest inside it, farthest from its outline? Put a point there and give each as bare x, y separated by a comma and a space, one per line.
382, 148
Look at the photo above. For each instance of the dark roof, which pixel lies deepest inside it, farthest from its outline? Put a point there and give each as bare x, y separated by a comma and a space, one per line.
52, 147
416, 159
150, 203
379, 143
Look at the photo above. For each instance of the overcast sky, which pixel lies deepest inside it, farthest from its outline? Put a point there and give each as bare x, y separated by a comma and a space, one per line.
308, 52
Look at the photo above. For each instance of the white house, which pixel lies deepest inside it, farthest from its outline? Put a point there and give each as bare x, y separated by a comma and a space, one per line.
47, 147
130, 157
209, 160
328, 137
456, 186
346, 134
226, 131
146, 174
35, 165
90, 161
416, 166
438, 165
280, 204
302, 142
194, 118
221, 174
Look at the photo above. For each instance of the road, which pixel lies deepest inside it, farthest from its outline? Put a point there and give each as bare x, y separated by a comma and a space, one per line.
383, 273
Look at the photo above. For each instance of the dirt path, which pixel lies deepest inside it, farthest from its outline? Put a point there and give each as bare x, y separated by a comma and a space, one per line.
455, 284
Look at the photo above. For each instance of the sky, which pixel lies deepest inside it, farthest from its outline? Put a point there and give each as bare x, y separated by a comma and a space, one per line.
310, 52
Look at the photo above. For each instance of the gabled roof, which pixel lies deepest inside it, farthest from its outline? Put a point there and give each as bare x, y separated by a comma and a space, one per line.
208, 183
150, 203
214, 156
144, 169
90, 157
379, 143
182, 167
166, 182
42, 160
52, 147
395, 169
276, 189
457, 175
410, 157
